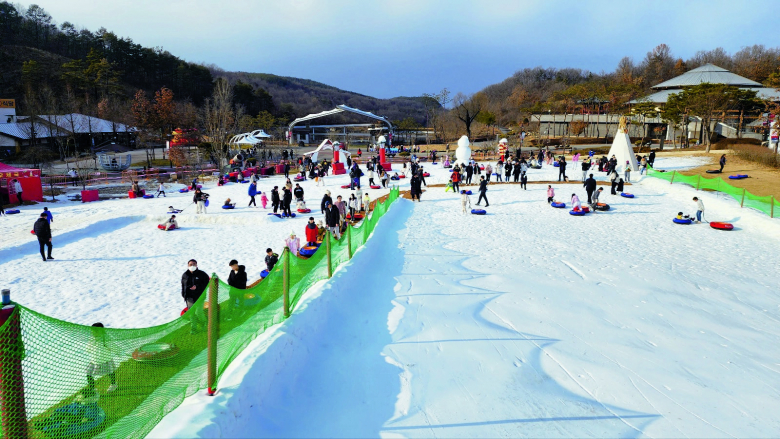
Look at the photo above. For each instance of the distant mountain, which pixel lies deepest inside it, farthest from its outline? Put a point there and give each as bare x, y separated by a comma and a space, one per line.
304, 96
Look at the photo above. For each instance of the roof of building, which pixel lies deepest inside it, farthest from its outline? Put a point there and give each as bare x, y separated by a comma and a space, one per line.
83, 124
9, 168
767, 93
18, 130
707, 73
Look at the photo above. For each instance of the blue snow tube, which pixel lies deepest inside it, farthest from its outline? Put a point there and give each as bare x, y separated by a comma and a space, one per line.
468, 192
12, 211
263, 274
682, 221
308, 250
577, 212
227, 206
147, 196
626, 195
556, 164
285, 216
184, 191
244, 181
478, 211
737, 177
558, 205
206, 203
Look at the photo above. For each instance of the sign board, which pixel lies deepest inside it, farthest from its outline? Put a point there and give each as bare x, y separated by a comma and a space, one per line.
7, 103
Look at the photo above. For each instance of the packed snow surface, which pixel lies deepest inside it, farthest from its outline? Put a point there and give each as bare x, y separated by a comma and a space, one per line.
527, 321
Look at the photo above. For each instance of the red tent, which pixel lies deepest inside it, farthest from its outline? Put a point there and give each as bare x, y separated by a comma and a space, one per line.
30, 180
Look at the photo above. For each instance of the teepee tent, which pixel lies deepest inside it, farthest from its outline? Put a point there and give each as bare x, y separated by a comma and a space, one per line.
622, 150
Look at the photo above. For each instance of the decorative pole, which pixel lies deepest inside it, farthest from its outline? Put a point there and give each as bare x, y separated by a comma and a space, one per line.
14, 416
330, 260
213, 333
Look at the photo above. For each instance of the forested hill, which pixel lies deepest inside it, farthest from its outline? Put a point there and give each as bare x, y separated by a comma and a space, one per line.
304, 96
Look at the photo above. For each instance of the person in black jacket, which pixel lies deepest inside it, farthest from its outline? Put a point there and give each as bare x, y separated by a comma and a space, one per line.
287, 170
508, 169
332, 219
590, 187
298, 192
43, 233
326, 200
469, 173
193, 284
620, 185
562, 169
516, 170
237, 280
651, 158
271, 259
286, 200
416, 185
482, 191
275, 200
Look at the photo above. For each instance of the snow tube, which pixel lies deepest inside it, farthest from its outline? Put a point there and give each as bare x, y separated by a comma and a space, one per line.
556, 164
346, 186
626, 195
426, 174
737, 177
304, 210
174, 213
206, 203
184, 311
244, 181
358, 216
227, 206
536, 167
308, 250
468, 193
162, 227
74, 419
394, 178
713, 171
263, 274
434, 163
577, 212
199, 187
13, 211
376, 187
481, 167
292, 215
721, 226
586, 209
558, 205
148, 196
155, 352
681, 221
478, 211
601, 207
401, 176
184, 191
298, 179
251, 299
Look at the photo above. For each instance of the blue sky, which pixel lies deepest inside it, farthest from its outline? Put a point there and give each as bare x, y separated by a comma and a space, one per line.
409, 47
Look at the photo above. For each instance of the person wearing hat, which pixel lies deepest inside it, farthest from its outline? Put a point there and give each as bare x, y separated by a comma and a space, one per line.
293, 243
42, 231
193, 284
326, 199
170, 224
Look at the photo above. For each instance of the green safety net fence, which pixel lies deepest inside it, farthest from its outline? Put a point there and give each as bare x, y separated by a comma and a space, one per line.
63, 380
767, 204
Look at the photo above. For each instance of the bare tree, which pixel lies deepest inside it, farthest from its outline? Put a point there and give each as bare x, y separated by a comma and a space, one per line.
220, 120
467, 108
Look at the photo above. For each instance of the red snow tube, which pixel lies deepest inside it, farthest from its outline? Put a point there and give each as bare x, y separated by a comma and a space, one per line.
721, 226
426, 174
401, 176
304, 210
376, 187
358, 216
346, 186
586, 209
162, 227
308, 251
184, 311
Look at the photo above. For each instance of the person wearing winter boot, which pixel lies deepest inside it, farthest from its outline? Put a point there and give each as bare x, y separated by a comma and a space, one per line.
482, 192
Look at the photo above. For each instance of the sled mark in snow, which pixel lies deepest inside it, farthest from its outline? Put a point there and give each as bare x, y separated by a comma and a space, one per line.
575, 269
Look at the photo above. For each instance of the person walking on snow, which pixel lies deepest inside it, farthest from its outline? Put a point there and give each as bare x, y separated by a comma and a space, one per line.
590, 187
193, 283
252, 193
595, 198
722, 162
366, 202
275, 200
699, 209
200, 200
326, 200
49, 216
465, 201
359, 196
311, 232
160, 190
264, 199
18, 189
482, 192
628, 172
585, 169
562, 169
286, 201
550, 194
43, 233
332, 217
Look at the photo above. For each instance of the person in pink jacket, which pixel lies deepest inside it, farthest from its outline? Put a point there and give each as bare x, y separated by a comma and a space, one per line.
293, 243
575, 203
263, 199
550, 194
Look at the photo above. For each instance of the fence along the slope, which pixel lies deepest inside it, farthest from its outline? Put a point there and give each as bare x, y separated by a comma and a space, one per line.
46, 363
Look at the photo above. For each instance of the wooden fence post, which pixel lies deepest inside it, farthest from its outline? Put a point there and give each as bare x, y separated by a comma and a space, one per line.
672, 181
698, 182
330, 259
14, 423
286, 282
772, 207
742, 203
349, 240
213, 333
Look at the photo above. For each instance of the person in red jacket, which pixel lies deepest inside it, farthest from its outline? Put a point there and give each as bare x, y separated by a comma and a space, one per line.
311, 232
456, 179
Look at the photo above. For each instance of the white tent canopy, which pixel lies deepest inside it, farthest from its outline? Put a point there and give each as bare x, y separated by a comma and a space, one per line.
260, 134
623, 152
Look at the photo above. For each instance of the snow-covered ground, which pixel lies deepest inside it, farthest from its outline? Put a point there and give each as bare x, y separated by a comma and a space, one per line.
524, 322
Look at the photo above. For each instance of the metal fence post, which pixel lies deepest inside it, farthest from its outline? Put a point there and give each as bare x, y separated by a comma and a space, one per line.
330, 259
12, 405
286, 282
742, 203
213, 333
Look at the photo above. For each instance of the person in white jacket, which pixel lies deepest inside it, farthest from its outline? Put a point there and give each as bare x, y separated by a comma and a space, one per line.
352, 205
359, 196
18, 189
699, 209
465, 201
